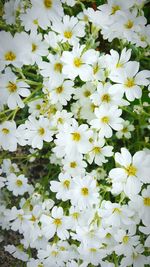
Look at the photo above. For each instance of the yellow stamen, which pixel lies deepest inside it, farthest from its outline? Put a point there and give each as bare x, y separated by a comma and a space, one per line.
76, 137
19, 183
84, 191
77, 62
12, 87
59, 89
105, 119
131, 170
147, 201
34, 47
114, 9
58, 67
41, 131
125, 239
10, 56
129, 24
129, 82
5, 131
66, 184
57, 222
48, 3
96, 150
73, 164
68, 34
105, 98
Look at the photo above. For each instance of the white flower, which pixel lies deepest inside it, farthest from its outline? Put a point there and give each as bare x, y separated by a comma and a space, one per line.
17, 184
17, 252
83, 93
77, 62
47, 10
35, 107
105, 96
37, 131
116, 215
9, 167
136, 259
126, 131
55, 224
116, 62
59, 91
69, 30
74, 165
12, 89
129, 80
73, 139
60, 118
142, 205
127, 242
36, 48
8, 140
10, 52
99, 152
130, 176
52, 69
10, 9
107, 119
62, 187
84, 192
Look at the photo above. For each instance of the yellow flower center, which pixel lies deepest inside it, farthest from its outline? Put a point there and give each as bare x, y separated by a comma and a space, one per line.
147, 201
77, 62
84, 191
93, 249
96, 150
12, 87
87, 93
105, 98
41, 131
48, 3
116, 210
58, 67
62, 248
54, 253
129, 24
129, 82
19, 183
119, 65
38, 106
73, 164
35, 21
76, 137
10, 56
40, 265
125, 130
57, 222
5, 131
34, 47
68, 34
125, 239
114, 9
59, 89
143, 38
108, 235
66, 184
33, 218
105, 119
75, 215
131, 170
60, 120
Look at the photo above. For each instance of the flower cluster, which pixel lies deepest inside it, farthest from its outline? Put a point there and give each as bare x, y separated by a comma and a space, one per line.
74, 120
